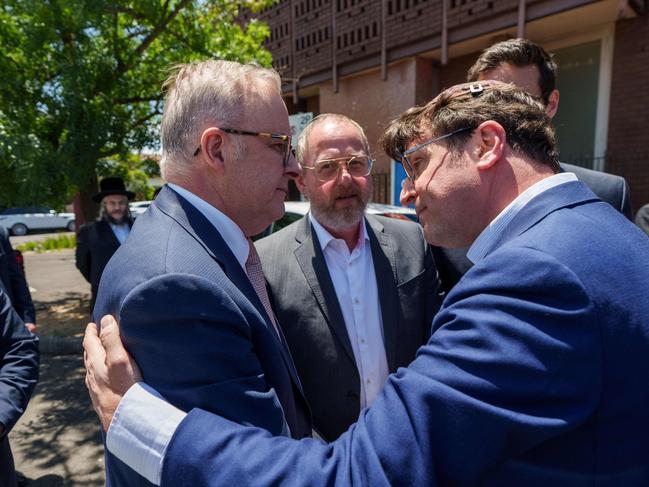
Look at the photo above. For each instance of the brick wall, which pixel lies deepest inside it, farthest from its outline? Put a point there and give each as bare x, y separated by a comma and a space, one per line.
628, 137
307, 26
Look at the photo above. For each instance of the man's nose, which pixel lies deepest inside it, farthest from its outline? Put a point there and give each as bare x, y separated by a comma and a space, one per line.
408, 193
292, 168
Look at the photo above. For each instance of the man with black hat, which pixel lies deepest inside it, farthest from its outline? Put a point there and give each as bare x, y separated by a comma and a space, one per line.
97, 241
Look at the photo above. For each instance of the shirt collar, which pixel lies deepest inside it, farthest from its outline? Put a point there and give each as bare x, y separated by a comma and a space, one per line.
489, 238
230, 231
324, 237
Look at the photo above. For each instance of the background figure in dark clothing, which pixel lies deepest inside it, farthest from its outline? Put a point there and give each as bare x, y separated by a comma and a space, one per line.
12, 280
97, 241
18, 376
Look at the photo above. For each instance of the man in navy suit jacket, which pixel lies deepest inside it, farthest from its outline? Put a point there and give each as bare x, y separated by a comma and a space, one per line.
535, 373
180, 284
18, 376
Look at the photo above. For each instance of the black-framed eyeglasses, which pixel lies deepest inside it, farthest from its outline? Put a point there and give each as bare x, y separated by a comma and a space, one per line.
328, 169
415, 168
285, 140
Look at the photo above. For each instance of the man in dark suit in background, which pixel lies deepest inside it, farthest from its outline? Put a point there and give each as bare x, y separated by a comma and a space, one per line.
187, 286
355, 294
527, 65
12, 279
18, 376
97, 241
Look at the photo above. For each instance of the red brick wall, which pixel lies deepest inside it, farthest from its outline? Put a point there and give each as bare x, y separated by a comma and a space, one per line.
628, 134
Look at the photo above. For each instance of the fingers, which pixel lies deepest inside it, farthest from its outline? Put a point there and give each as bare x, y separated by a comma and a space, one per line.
110, 338
93, 350
122, 368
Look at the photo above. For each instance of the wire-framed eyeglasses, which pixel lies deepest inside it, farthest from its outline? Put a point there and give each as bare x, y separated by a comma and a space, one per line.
327, 169
283, 141
413, 167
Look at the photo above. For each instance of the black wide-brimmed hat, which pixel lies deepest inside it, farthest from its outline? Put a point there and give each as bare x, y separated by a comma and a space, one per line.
109, 186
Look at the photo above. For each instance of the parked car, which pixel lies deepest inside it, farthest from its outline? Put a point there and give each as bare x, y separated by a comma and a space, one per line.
297, 209
19, 221
138, 207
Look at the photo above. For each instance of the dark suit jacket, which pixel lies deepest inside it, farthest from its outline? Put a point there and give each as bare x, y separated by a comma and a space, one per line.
535, 375
306, 306
13, 280
96, 244
18, 376
195, 325
614, 190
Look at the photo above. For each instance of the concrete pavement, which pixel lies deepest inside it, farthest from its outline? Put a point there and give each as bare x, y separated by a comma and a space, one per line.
57, 441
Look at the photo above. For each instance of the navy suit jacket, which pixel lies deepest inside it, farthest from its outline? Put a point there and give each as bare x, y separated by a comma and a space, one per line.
535, 375
13, 280
452, 264
18, 376
195, 325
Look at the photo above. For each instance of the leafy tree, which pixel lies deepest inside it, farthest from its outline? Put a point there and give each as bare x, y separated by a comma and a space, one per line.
135, 170
82, 82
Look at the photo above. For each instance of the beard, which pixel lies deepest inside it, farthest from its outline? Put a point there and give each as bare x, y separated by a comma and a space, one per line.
116, 221
341, 218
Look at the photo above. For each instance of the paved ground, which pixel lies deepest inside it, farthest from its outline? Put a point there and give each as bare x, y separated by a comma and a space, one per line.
57, 441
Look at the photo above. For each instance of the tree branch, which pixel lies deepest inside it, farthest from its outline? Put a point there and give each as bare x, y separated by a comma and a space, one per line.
138, 99
157, 30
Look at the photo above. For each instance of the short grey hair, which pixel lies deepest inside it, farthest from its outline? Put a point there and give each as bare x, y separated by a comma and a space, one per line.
201, 93
303, 139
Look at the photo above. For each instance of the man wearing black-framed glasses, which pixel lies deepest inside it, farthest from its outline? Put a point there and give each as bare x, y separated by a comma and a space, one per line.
189, 266
355, 293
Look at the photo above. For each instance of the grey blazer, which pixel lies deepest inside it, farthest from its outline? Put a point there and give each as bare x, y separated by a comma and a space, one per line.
307, 309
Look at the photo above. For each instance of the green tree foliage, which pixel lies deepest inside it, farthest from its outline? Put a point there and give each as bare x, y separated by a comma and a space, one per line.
82, 83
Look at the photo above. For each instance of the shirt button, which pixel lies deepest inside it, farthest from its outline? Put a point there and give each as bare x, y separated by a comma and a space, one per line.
356, 300
369, 381
362, 340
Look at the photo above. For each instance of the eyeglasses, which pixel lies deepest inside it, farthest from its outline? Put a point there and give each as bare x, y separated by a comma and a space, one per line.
327, 169
414, 168
281, 141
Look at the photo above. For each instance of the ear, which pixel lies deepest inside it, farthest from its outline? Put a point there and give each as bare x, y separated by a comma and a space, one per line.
212, 142
553, 104
299, 181
491, 143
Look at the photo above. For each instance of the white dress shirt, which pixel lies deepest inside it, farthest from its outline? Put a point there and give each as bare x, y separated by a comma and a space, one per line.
354, 281
144, 422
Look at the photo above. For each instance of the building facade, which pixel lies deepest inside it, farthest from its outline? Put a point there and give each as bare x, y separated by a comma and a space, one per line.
372, 59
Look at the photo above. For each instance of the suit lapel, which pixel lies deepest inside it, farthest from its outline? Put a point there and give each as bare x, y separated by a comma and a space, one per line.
385, 265
204, 232
311, 260
106, 234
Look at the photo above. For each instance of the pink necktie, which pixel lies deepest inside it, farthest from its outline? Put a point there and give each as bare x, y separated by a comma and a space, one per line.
256, 276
